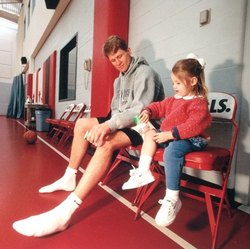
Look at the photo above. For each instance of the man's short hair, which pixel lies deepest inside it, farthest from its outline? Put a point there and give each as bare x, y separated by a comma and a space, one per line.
113, 43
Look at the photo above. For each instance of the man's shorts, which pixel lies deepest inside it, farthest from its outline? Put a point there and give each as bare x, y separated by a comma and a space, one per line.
134, 136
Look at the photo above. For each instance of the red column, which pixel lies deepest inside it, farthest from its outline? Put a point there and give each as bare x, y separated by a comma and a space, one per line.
111, 17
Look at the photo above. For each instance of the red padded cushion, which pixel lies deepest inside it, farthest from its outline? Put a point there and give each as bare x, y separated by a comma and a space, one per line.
159, 155
130, 147
48, 120
211, 158
67, 124
53, 121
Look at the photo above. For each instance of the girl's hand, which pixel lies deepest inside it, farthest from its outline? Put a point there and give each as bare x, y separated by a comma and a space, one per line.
162, 137
144, 116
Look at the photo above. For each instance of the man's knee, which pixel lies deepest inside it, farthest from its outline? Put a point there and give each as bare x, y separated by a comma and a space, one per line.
81, 125
111, 145
117, 140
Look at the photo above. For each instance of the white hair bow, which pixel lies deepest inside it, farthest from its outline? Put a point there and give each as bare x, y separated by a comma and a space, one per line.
200, 60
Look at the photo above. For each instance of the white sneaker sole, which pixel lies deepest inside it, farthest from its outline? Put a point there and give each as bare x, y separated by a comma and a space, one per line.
129, 186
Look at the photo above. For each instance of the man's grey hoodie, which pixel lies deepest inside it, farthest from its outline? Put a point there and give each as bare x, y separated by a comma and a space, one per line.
133, 90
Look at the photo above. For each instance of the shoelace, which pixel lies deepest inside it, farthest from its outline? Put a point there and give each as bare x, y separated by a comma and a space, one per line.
133, 171
168, 203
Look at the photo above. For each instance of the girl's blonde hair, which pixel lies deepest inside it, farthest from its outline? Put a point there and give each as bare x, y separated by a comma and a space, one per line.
188, 68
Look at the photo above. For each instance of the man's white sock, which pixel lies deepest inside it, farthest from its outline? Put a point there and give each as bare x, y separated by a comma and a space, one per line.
50, 222
67, 182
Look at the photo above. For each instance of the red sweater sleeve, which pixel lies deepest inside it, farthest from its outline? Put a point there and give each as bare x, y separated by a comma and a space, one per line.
159, 109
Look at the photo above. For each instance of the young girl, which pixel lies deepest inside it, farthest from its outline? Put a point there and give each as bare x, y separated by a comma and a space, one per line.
186, 116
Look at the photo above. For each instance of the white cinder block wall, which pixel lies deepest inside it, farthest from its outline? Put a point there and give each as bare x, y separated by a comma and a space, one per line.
76, 19
163, 31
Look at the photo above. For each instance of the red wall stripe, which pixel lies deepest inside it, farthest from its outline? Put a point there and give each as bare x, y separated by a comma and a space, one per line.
44, 83
37, 79
52, 82
30, 85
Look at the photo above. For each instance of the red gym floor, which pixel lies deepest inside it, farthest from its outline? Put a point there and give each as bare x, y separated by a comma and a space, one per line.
106, 218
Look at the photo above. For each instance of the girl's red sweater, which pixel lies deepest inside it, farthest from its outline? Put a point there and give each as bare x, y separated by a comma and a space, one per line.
185, 117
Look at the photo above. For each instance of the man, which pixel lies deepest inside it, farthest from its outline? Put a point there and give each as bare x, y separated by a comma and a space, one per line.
137, 86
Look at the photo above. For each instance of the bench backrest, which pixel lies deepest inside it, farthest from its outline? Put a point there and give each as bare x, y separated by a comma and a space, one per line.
222, 105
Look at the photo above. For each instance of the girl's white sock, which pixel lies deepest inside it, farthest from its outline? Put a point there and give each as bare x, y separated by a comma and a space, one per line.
172, 194
67, 182
50, 222
144, 163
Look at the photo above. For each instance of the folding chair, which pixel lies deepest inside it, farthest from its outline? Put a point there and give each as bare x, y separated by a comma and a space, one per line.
123, 155
61, 129
222, 108
55, 122
68, 126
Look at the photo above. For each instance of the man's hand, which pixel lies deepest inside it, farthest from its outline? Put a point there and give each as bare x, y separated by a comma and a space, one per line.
98, 132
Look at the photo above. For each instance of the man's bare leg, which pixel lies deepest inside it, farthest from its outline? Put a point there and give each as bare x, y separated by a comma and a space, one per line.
58, 218
79, 148
79, 144
100, 163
